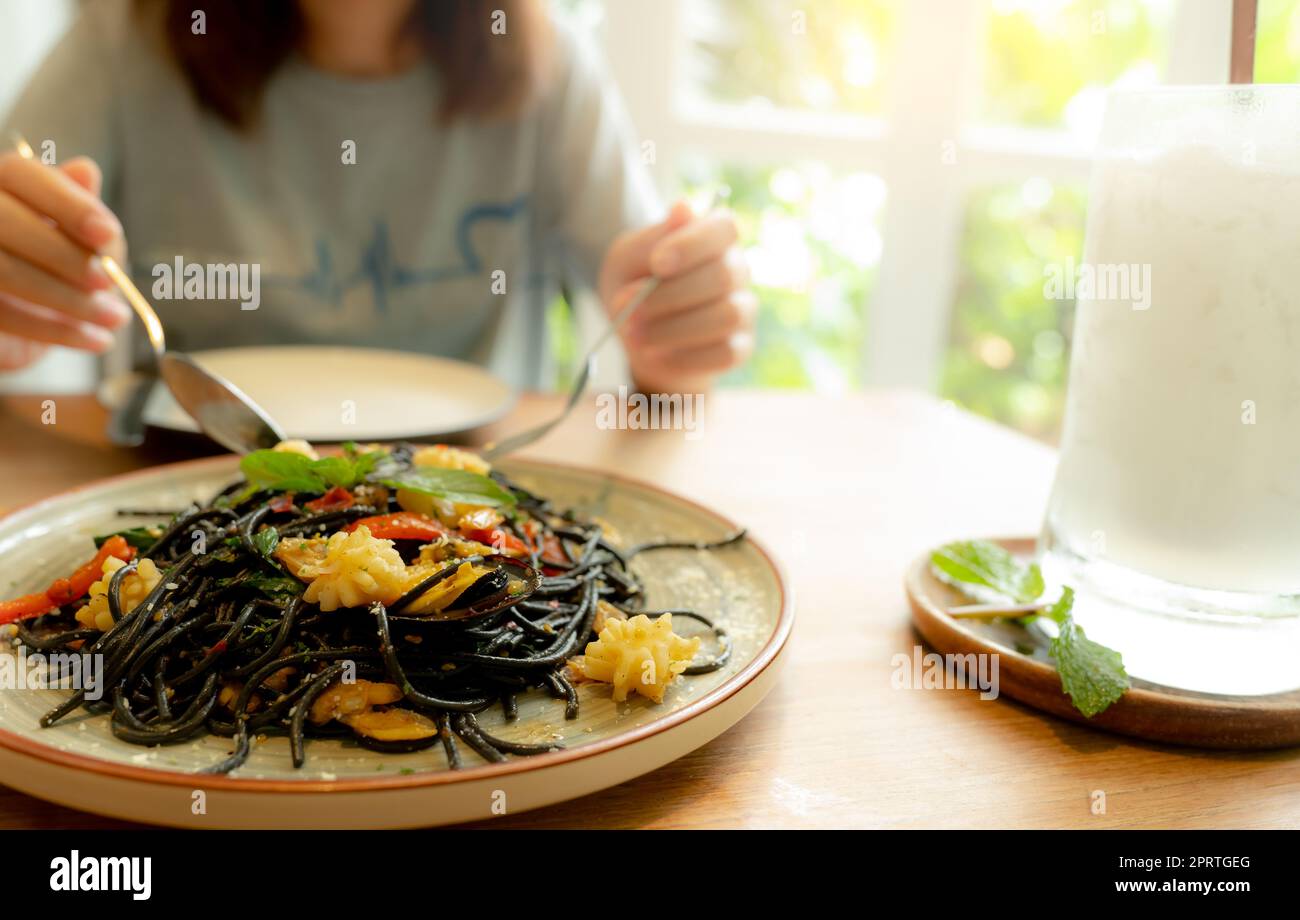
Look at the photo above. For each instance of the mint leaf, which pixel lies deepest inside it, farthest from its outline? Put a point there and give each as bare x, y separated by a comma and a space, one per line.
1062, 611
266, 540
1092, 675
453, 485
281, 471
987, 565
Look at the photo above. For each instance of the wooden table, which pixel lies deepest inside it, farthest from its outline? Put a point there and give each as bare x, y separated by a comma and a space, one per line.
847, 491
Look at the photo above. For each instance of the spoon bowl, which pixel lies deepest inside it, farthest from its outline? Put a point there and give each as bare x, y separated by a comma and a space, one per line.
224, 412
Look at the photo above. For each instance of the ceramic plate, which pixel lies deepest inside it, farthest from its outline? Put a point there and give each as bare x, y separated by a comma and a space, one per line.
79, 763
384, 396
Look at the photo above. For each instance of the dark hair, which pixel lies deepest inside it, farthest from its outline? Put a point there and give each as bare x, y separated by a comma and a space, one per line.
247, 40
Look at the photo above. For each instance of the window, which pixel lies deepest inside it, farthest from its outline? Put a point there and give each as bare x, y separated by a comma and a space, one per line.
814, 231
1048, 64
814, 242
1046, 68
1006, 356
962, 126
779, 54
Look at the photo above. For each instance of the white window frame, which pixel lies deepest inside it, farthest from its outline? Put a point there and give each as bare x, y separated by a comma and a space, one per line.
928, 115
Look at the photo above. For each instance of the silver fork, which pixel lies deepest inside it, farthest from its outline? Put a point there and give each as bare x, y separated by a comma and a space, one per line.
496, 449
523, 438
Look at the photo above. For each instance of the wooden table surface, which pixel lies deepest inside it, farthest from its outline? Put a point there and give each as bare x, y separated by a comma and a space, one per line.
846, 491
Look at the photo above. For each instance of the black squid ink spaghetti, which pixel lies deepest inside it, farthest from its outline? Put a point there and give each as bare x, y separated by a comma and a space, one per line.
386, 596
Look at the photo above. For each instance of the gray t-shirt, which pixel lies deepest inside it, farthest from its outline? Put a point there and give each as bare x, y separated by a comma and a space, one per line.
406, 248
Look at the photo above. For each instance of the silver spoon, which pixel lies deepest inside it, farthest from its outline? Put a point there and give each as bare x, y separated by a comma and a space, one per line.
496, 449
221, 409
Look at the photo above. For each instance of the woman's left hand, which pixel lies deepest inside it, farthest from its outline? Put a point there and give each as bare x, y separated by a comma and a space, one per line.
699, 321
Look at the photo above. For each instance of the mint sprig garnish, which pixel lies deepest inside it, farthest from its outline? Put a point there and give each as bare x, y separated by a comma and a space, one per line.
989, 566
1092, 675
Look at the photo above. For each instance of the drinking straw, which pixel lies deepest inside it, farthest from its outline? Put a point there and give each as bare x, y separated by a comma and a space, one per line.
1241, 69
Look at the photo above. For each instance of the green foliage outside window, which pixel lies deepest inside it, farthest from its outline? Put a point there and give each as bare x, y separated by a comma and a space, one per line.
1048, 62
1008, 343
1045, 64
831, 55
1277, 42
813, 243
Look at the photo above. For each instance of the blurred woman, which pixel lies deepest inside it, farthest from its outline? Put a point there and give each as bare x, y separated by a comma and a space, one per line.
413, 174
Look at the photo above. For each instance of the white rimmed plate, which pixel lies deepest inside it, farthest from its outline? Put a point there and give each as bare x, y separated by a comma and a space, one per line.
80, 764
332, 394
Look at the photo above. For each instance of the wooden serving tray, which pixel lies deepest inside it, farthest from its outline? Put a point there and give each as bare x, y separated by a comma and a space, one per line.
1149, 711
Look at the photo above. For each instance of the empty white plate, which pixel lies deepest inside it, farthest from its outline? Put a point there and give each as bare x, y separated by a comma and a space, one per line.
342, 394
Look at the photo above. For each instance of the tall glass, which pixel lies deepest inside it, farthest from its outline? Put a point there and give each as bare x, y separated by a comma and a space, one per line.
1176, 508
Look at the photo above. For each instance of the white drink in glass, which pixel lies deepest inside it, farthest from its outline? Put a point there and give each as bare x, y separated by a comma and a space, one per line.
1176, 508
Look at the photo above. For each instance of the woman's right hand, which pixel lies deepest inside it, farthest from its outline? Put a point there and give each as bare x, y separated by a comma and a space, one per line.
53, 290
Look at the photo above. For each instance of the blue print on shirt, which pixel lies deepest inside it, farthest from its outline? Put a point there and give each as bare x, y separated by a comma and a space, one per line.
378, 268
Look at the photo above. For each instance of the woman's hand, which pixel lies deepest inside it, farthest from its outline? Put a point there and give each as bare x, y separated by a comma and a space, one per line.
53, 290
699, 322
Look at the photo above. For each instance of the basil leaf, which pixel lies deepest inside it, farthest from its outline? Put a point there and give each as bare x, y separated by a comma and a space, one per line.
274, 586
1092, 675
335, 471
282, 471
987, 565
453, 485
365, 462
266, 540
142, 538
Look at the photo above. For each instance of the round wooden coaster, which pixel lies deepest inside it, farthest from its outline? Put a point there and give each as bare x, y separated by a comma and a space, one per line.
1149, 711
